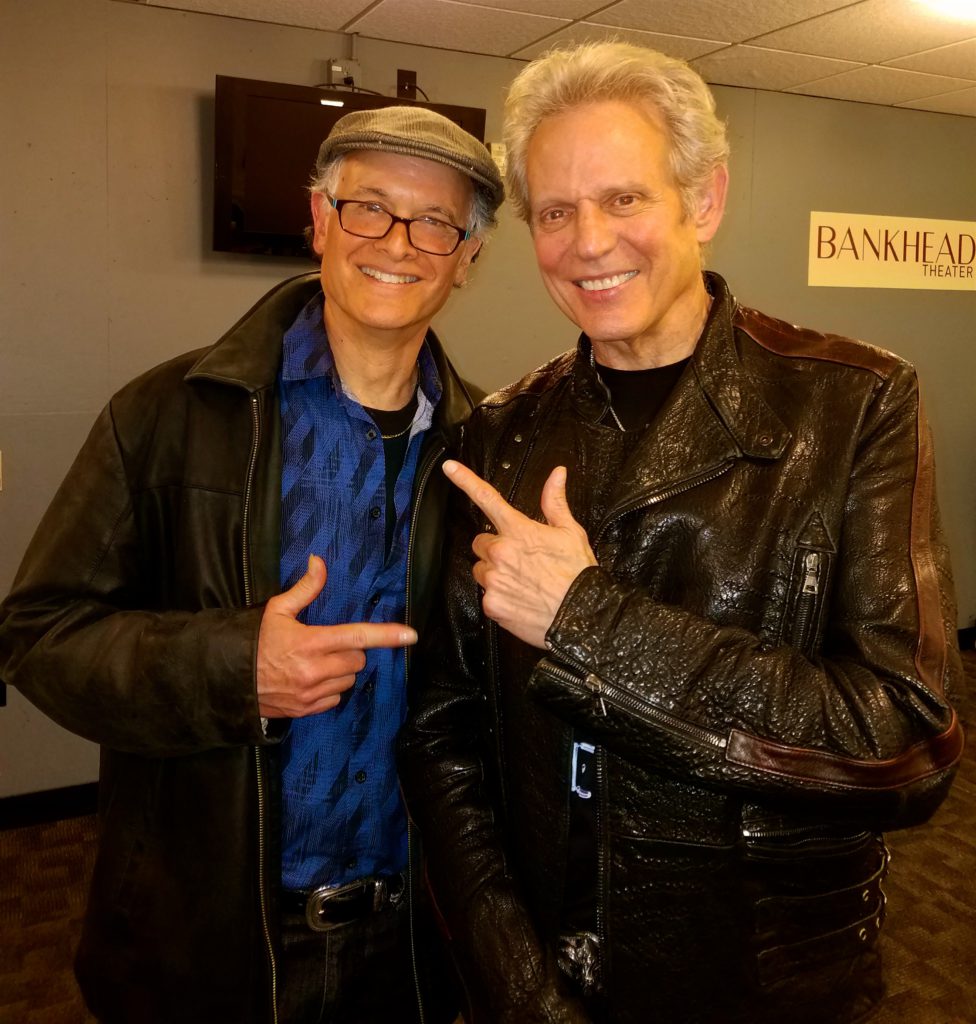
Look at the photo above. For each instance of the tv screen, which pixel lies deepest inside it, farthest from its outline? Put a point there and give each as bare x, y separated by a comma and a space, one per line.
266, 139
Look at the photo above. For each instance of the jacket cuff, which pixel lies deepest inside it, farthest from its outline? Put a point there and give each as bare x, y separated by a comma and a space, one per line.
570, 635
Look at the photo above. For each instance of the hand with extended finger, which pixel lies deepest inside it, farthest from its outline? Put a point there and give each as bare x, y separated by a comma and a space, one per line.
303, 670
526, 568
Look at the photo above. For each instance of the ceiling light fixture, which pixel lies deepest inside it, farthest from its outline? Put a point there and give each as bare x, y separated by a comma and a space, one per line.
960, 10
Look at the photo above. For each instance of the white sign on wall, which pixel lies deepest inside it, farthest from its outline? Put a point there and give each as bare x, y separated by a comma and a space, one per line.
852, 250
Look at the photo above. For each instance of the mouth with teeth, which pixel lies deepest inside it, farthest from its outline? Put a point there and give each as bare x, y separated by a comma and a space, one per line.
602, 284
389, 278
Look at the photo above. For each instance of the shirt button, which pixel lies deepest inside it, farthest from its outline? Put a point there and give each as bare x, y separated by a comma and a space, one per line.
351, 863
374, 512
375, 600
360, 776
370, 434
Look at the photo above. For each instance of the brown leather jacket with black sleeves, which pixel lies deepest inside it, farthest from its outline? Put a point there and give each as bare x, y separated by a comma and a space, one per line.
133, 622
763, 656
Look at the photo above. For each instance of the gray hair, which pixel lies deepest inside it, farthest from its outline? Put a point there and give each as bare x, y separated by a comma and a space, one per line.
594, 72
481, 217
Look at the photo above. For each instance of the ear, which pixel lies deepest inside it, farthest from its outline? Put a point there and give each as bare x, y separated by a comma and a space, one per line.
469, 253
711, 205
320, 221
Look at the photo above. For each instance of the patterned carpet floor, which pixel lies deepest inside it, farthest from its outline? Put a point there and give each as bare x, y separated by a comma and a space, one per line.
929, 940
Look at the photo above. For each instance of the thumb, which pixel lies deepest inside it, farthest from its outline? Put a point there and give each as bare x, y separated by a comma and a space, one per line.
305, 591
553, 502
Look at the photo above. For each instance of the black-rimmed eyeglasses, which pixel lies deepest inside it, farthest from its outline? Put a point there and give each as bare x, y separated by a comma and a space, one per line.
370, 220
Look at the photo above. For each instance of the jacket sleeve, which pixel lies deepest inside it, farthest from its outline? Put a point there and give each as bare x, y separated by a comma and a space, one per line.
510, 977
864, 722
80, 638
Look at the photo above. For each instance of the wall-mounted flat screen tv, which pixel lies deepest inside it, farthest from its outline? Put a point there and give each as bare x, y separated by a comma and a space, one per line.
266, 139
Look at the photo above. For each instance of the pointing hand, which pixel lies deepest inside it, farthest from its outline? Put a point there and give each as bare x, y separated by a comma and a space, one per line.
525, 568
302, 670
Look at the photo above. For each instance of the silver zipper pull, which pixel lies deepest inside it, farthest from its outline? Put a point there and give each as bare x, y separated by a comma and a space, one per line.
811, 573
595, 685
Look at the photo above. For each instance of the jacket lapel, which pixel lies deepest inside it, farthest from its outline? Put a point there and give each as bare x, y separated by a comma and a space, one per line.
248, 357
715, 416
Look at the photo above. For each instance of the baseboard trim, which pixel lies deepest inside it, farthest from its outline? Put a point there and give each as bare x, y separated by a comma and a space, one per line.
49, 805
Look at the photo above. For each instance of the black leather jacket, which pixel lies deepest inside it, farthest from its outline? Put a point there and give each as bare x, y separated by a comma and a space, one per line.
134, 622
763, 655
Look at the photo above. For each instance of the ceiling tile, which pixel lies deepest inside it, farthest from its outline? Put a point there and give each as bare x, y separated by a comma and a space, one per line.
757, 68
682, 47
881, 85
958, 59
870, 32
330, 16
732, 22
454, 26
961, 102
816, 47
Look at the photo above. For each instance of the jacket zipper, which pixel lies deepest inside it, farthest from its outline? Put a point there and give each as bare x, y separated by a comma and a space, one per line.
424, 476
664, 495
602, 944
801, 833
621, 699
806, 602
258, 752
262, 873
615, 696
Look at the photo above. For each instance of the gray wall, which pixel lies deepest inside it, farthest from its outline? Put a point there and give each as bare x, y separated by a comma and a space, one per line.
105, 197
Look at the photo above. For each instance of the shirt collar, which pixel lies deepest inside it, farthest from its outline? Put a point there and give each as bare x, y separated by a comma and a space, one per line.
305, 346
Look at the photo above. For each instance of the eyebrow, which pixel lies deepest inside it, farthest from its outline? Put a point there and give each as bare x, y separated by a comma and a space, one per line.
623, 188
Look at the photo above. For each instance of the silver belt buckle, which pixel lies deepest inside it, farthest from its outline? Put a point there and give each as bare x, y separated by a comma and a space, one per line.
318, 900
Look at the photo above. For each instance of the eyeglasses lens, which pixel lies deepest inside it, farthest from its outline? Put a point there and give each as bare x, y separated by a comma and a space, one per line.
370, 221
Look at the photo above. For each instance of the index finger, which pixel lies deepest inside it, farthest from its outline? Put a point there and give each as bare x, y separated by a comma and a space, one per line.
494, 506
348, 636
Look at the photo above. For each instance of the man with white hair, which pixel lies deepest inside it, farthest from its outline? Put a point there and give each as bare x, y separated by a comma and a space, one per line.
668, 719
255, 862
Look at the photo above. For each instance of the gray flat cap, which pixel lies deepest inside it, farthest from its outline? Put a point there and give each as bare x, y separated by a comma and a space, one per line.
415, 131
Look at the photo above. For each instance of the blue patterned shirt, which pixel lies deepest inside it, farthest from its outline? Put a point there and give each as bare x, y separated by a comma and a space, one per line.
343, 817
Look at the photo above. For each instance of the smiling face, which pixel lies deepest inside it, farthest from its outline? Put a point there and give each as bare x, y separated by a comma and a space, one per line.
384, 288
617, 253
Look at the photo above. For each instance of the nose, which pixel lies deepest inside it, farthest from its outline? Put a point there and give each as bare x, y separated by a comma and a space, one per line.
396, 242
596, 232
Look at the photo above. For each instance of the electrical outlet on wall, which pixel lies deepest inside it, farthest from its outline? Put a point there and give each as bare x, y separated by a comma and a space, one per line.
406, 84
342, 71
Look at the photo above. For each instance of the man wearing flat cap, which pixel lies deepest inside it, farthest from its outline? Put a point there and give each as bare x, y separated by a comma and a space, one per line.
223, 595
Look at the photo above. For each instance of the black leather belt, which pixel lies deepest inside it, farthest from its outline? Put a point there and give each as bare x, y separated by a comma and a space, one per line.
332, 905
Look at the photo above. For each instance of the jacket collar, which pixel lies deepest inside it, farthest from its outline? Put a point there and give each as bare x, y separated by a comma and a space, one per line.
715, 415
249, 354
738, 402
714, 386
